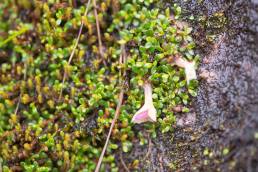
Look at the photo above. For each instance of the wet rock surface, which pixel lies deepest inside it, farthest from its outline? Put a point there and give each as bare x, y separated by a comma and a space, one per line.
224, 135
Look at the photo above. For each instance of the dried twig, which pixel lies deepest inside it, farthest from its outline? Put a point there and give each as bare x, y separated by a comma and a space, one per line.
121, 97
98, 32
123, 163
24, 78
74, 48
18, 104
160, 162
149, 148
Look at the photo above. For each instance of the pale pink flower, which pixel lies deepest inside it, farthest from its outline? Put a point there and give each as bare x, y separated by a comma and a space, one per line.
189, 68
147, 111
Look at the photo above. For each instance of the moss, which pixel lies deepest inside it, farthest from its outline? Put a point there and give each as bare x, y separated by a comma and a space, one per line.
45, 133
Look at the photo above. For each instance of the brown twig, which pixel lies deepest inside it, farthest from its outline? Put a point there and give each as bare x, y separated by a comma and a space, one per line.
120, 101
18, 104
149, 148
160, 162
19, 100
74, 48
123, 163
121, 97
98, 32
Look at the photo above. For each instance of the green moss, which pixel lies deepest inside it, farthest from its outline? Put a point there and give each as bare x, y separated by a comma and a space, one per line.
51, 135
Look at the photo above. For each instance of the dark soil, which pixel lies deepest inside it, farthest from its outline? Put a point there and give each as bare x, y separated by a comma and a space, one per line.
224, 116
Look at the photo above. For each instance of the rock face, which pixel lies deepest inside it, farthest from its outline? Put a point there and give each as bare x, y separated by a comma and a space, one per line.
224, 134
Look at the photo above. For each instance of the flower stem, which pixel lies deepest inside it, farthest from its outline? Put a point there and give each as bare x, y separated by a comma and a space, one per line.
147, 93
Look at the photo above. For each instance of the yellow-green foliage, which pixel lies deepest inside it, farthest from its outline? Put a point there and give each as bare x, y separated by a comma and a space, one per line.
37, 37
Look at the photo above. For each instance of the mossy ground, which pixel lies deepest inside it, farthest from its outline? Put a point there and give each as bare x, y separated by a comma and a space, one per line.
43, 131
